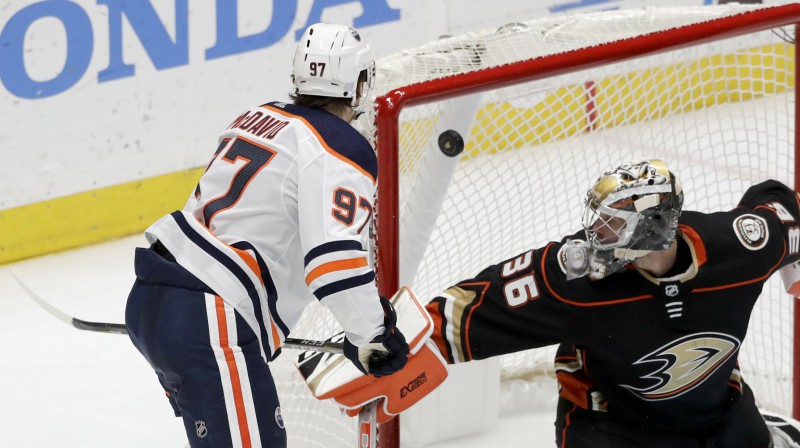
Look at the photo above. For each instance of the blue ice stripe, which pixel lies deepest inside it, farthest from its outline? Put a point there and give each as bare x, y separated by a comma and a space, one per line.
333, 246
341, 285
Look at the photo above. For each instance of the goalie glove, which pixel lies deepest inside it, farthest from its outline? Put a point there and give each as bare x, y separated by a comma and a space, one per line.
331, 376
385, 354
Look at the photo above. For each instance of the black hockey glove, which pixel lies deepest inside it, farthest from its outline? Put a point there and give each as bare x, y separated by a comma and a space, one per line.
385, 354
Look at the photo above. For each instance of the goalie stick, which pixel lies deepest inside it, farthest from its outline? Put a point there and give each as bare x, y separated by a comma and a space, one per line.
115, 328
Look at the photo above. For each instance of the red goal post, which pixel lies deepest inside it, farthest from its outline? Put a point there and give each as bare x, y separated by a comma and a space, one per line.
580, 59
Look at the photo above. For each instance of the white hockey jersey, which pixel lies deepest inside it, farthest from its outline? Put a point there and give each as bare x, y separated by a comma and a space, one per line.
281, 217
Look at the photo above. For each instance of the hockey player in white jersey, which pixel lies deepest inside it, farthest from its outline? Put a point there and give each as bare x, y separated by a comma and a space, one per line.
279, 219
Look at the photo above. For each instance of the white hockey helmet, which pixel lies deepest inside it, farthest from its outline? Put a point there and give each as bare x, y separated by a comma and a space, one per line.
329, 60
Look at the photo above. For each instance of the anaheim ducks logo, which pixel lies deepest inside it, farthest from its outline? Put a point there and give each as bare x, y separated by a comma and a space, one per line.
684, 364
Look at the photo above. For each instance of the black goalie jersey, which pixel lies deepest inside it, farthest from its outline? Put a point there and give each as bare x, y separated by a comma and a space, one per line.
653, 351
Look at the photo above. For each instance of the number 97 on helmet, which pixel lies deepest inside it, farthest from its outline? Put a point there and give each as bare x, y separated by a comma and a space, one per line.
331, 60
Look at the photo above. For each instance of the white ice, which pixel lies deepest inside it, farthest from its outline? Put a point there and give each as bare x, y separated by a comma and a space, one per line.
63, 387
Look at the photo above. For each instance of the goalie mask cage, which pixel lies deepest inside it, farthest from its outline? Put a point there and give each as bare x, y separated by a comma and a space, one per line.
543, 107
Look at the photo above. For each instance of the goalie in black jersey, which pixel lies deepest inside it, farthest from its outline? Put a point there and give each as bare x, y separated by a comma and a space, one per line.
650, 306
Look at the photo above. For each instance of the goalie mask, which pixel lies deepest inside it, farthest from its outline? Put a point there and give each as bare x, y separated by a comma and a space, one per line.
629, 212
330, 60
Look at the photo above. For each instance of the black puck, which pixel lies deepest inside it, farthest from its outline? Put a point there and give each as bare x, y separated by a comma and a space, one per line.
450, 143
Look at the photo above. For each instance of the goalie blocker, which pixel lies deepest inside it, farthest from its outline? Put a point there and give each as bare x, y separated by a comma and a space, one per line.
333, 376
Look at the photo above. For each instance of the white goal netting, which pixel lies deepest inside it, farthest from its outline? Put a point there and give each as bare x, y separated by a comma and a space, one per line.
721, 114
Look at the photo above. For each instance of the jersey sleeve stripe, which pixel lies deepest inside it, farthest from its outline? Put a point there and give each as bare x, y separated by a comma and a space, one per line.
469, 307
697, 243
324, 144
269, 285
436, 308
452, 332
342, 285
257, 268
332, 246
558, 297
234, 268
340, 265
249, 261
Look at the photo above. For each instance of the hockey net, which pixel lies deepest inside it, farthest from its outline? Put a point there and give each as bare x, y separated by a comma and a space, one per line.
543, 107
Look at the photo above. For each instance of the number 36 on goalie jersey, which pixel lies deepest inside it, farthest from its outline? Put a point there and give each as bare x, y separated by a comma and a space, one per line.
526, 302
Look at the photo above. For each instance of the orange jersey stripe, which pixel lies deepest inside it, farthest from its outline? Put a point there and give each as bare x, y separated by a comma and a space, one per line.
248, 259
438, 323
567, 422
251, 262
572, 302
322, 141
574, 388
465, 330
339, 265
699, 247
238, 399
275, 336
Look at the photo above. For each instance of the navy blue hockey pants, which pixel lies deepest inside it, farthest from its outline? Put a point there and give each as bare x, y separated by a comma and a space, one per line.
206, 357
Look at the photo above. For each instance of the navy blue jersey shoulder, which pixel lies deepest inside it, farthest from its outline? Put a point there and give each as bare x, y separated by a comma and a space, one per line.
338, 134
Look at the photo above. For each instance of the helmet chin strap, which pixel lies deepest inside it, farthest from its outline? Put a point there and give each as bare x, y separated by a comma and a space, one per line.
362, 93
358, 111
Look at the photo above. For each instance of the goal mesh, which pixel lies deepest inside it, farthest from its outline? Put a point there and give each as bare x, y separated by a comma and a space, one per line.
587, 93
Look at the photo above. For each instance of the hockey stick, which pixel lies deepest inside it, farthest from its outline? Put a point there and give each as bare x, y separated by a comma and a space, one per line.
367, 418
114, 328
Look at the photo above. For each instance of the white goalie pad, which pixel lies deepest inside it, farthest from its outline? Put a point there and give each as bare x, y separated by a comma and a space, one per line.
332, 376
790, 275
